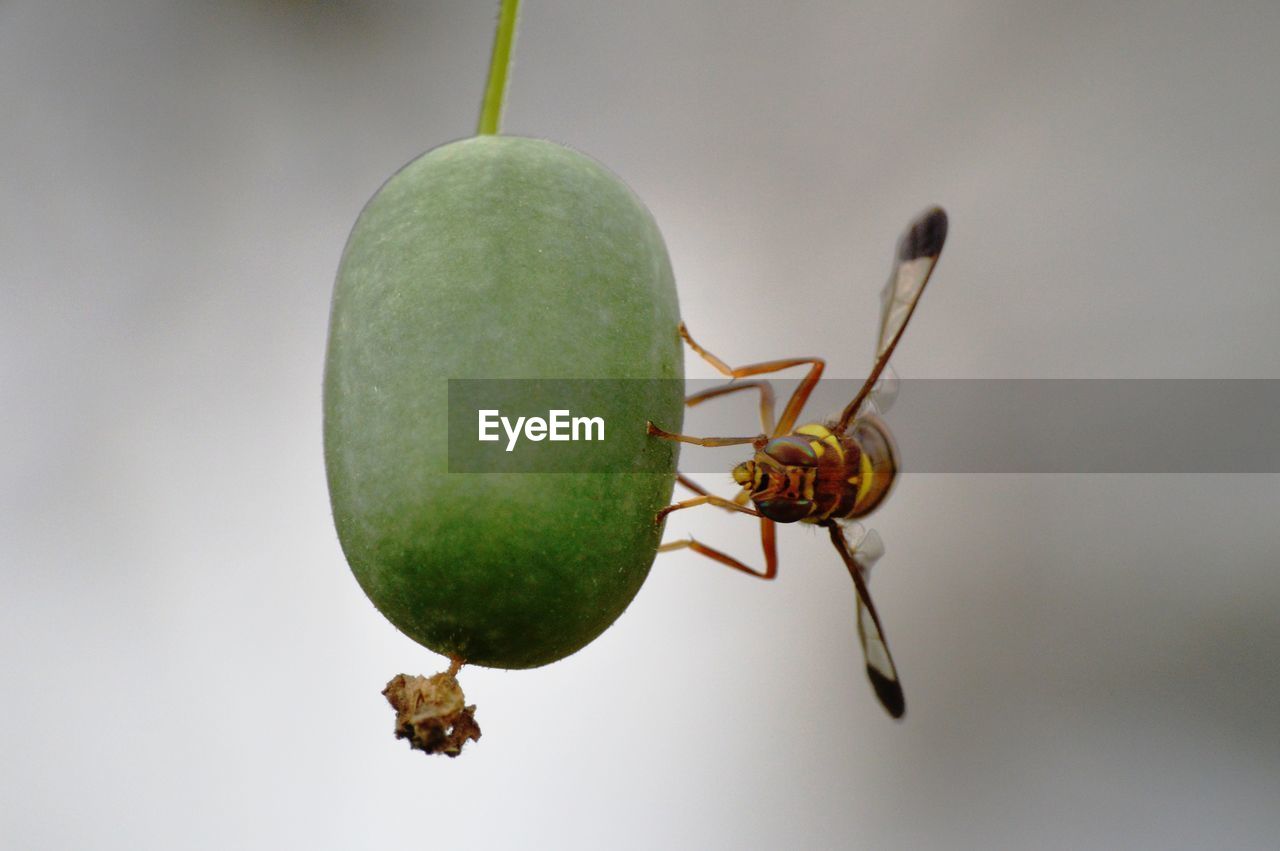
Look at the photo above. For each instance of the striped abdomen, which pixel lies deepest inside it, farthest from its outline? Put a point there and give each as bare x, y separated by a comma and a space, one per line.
815, 474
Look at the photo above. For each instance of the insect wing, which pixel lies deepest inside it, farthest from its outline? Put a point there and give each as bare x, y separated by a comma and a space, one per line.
885, 392
917, 254
875, 649
918, 251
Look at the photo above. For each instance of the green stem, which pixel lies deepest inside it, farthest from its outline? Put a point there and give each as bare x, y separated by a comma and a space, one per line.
496, 90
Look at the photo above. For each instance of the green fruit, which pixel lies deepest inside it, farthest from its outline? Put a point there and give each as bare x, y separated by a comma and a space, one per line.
499, 257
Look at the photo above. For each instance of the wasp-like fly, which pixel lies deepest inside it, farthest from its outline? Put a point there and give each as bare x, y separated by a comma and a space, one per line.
828, 474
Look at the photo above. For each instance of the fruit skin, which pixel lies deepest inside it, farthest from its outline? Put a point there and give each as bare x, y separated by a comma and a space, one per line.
498, 257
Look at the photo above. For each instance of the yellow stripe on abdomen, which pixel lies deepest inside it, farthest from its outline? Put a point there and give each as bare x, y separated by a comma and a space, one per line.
824, 434
866, 476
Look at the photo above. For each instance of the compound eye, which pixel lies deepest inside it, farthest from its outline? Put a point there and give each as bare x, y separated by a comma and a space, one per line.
792, 451
785, 510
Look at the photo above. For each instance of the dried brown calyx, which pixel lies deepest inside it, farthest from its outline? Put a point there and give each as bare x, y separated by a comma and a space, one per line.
431, 712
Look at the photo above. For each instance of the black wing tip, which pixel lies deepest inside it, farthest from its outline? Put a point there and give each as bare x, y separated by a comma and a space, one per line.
889, 691
925, 236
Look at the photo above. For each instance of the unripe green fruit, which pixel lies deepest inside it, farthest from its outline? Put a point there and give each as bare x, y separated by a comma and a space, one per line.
498, 257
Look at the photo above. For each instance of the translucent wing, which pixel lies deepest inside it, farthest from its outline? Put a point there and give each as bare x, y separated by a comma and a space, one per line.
885, 393
917, 254
858, 558
880, 667
918, 251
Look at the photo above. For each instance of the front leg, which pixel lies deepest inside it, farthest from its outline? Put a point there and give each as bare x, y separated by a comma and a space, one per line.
795, 404
758, 440
705, 499
770, 553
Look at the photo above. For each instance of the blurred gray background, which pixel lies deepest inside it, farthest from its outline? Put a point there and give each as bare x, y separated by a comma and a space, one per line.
1090, 660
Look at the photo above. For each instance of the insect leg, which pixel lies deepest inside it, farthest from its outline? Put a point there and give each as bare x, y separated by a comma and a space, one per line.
690, 484
700, 441
766, 422
720, 366
741, 499
792, 412
766, 399
705, 499
770, 552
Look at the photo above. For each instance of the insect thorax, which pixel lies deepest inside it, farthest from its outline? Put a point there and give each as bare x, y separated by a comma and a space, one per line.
815, 473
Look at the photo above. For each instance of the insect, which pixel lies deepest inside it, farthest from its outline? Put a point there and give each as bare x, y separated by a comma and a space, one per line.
827, 474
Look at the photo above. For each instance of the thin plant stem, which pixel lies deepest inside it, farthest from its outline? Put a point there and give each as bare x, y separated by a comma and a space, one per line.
495, 92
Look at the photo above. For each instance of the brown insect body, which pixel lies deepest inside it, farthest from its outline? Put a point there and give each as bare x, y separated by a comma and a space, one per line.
821, 473
816, 473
